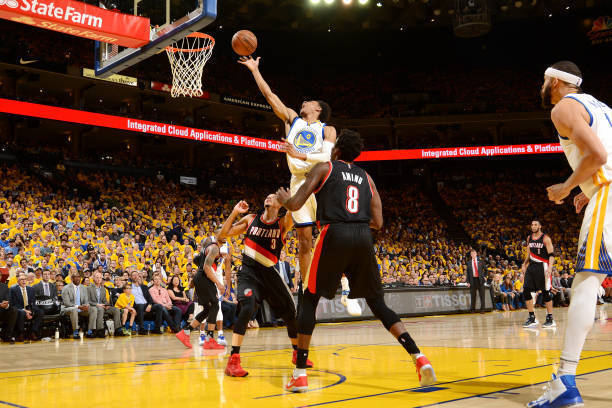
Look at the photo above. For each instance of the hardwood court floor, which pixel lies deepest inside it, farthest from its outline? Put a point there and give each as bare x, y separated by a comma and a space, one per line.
480, 360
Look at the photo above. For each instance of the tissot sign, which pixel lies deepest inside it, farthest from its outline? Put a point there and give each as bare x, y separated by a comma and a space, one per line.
79, 19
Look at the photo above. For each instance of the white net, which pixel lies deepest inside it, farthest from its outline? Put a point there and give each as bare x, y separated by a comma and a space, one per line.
187, 59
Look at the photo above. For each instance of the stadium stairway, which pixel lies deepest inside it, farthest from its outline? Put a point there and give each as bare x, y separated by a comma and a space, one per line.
454, 228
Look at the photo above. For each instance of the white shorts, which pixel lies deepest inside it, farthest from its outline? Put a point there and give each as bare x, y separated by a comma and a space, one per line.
595, 242
307, 215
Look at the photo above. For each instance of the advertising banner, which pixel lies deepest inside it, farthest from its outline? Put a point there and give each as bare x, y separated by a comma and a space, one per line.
79, 19
202, 135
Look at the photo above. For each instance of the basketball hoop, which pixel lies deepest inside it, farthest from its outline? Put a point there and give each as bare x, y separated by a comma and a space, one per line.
187, 59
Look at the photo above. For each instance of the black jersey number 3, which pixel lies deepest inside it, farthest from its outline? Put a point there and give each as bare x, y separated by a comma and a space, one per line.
352, 199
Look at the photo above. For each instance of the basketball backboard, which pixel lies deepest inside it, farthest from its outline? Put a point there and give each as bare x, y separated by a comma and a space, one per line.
171, 20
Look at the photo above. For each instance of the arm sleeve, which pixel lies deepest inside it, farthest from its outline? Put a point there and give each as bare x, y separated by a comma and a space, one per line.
323, 156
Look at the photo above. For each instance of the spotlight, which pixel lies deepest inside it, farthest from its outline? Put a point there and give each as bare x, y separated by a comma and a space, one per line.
347, 2
363, 2
379, 4
437, 12
329, 1
315, 1
518, 4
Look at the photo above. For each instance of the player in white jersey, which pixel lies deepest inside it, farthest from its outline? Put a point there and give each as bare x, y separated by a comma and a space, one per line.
584, 125
308, 142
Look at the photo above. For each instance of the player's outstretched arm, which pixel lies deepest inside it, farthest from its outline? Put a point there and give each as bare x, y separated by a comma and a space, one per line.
572, 120
287, 224
375, 207
313, 180
284, 113
227, 270
231, 228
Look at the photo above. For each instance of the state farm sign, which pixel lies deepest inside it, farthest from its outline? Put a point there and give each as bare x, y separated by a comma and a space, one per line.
79, 19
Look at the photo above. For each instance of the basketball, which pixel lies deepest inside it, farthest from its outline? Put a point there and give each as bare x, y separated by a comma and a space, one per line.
244, 42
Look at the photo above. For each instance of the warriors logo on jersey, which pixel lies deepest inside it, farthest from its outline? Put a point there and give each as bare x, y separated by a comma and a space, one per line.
305, 140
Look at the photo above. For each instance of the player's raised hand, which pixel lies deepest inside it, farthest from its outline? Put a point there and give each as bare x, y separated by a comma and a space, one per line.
557, 193
250, 63
290, 149
580, 201
283, 195
241, 207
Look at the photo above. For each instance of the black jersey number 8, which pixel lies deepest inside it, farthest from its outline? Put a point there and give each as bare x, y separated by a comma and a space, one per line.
352, 199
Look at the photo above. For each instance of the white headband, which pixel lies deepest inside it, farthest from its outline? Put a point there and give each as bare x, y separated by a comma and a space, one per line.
564, 76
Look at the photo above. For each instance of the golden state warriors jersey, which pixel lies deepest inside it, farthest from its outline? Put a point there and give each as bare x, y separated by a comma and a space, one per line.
601, 123
307, 138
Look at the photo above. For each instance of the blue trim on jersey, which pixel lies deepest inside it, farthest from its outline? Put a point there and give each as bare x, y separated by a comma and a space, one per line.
293, 122
585, 107
609, 273
304, 224
562, 137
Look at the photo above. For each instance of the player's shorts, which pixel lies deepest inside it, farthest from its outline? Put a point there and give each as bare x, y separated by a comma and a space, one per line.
344, 248
205, 289
595, 241
535, 277
307, 215
263, 283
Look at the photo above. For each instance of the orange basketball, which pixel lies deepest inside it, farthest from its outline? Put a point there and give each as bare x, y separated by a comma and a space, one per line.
244, 42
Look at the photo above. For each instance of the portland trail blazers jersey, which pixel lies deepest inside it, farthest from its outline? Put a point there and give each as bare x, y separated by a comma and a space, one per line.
307, 138
344, 195
263, 242
200, 258
537, 250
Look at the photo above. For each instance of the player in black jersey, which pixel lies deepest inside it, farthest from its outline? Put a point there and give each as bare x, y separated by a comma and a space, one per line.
348, 206
258, 279
538, 268
206, 283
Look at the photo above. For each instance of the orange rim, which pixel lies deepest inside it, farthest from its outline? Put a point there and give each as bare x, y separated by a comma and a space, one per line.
195, 35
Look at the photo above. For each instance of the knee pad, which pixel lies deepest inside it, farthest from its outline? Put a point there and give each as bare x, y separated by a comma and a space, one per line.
387, 316
291, 322
546, 296
307, 314
212, 313
247, 309
527, 294
200, 317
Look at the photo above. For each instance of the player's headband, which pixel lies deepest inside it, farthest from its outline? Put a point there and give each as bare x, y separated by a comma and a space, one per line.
564, 76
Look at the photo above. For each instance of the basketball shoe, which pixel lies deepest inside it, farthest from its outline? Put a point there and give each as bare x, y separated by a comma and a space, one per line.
531, 322
211, 344
425, 371
561, 392
221, 340
202, 339
549, 323
184, 338
233, 368
298, 381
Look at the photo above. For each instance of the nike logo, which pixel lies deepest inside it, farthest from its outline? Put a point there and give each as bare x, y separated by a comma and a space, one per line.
23, 62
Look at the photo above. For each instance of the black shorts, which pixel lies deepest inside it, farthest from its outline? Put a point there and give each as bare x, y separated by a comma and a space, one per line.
535, 278
344, 249
263, 283
205, 289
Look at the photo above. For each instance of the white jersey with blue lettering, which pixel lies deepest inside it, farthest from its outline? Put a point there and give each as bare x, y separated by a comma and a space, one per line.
601, 123
307, 138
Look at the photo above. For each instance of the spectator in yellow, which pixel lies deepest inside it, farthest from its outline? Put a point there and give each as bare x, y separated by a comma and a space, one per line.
125, 303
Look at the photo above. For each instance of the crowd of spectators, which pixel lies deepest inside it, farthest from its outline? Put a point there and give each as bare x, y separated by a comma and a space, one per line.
496, 209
